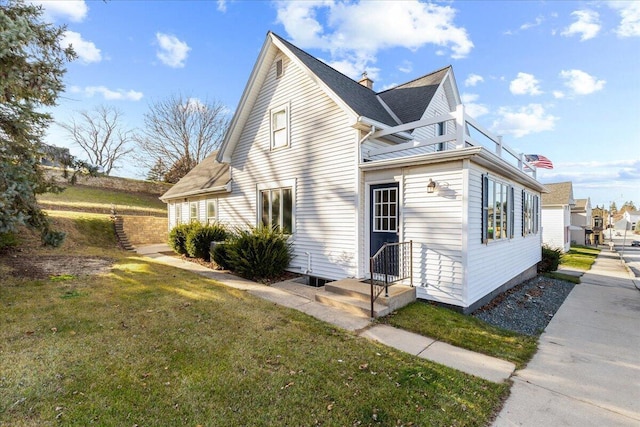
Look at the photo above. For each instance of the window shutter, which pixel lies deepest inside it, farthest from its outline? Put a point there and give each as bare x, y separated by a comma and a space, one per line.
485, 207
536, 214
524, 214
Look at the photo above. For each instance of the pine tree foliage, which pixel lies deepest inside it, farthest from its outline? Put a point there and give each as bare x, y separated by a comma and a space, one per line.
31, 71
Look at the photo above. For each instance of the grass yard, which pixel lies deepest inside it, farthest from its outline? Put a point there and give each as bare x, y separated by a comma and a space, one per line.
580, 257
90, 199
146, 344
464, 331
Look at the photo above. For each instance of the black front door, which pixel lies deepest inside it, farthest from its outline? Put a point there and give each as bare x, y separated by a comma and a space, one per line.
383, 216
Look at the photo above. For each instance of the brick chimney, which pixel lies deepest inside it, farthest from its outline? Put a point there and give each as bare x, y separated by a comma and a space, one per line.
366, 81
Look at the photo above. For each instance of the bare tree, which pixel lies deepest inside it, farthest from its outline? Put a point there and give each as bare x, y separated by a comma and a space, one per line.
181, 129
100, 134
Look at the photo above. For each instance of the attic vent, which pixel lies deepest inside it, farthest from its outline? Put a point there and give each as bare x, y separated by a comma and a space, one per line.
366, 81
279, 68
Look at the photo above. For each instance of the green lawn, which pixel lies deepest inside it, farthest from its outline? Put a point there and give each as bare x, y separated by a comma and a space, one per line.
580, 257
147, 344
464, 331
78, 197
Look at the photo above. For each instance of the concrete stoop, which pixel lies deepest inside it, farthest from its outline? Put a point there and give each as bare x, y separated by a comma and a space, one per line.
354, 296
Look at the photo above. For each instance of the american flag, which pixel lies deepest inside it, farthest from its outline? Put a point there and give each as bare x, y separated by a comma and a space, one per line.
539, 161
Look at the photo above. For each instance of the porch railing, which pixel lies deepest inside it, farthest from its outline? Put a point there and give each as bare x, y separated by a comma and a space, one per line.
392, 263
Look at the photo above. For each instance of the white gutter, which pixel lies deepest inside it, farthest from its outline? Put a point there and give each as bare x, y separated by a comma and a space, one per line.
223, 188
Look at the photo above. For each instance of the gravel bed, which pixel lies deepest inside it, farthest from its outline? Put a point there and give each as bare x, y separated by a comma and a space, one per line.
527, 308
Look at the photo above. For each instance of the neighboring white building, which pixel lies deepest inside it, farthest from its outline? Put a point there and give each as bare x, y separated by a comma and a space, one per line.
633, 217
344, 169
581, 222
556, 215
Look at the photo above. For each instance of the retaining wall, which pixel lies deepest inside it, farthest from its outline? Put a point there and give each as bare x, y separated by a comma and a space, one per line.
143, 230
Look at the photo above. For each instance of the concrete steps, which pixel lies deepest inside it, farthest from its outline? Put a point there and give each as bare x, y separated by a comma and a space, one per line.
354, 296
123, 241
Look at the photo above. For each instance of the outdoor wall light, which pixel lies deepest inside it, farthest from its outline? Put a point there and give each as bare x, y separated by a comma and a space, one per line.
431, 186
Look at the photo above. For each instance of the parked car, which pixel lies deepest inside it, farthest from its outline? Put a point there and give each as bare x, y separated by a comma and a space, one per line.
635, 243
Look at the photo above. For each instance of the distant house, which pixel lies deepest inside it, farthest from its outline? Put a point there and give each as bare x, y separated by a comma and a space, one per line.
556, 215
598, 222
632, 217
581, 222
349, 173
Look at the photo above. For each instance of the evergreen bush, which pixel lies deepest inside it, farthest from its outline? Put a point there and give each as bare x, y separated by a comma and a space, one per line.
178, 237
220, 255
258, 253
550, 259
199, 238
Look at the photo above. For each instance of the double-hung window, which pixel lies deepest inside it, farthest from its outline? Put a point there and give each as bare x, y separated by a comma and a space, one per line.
530, 216
276, 206
212, 212
178, 213
497, 210
280, 127
193, 211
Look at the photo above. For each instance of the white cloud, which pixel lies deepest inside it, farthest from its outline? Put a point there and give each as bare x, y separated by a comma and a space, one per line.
539, 20
406, 67
108, 94
522, 121
222, 5
630, 18
473, 79
173, 52
355, 69
587, 25
472, 108
557, 94
357, 31
73, 10
580, 82
525, 84
86, 50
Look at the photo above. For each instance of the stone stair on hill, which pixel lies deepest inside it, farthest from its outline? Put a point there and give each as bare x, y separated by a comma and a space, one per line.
123, 240
354, 296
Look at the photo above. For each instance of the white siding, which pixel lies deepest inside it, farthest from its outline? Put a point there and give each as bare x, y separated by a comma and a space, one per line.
490, 265
321, 160
555, 221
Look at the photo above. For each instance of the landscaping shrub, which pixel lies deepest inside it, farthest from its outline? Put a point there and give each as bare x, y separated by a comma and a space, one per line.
550, 259
199, 238
220, 255
178, 237
258, 253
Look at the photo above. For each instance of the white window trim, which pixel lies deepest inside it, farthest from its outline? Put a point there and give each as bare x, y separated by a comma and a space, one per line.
197, 216
272, 113
287, 183
215, 207
509, 235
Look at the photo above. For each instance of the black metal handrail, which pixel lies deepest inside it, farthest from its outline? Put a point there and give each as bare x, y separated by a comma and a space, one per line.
392, 263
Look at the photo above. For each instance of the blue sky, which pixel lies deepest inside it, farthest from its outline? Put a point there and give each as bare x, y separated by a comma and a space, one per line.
560, 79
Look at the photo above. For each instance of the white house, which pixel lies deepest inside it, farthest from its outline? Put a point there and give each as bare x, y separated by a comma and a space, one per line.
556, 215
633, 217
580, 228
345, 169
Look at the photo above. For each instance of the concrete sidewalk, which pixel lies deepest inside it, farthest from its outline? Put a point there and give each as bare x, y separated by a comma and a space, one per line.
302, 298
587, 368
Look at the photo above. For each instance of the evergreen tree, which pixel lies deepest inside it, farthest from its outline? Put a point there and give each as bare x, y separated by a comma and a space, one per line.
31, 69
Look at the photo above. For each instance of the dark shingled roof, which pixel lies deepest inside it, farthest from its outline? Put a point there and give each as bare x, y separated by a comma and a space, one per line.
208, 174
361, 99
410, 100
560, 193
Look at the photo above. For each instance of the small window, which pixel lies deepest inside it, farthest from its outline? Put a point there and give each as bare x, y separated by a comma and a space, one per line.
193, 211
279, 68
212, 212
530, 218
279, 127
385, 214
276, 206
178, 212
441, 129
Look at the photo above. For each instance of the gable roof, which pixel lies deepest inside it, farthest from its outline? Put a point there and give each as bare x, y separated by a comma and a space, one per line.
401, 104
410, 100
560, 193
207, 177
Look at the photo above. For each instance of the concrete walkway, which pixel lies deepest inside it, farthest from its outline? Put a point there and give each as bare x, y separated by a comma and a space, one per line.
302, 298
587, 368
